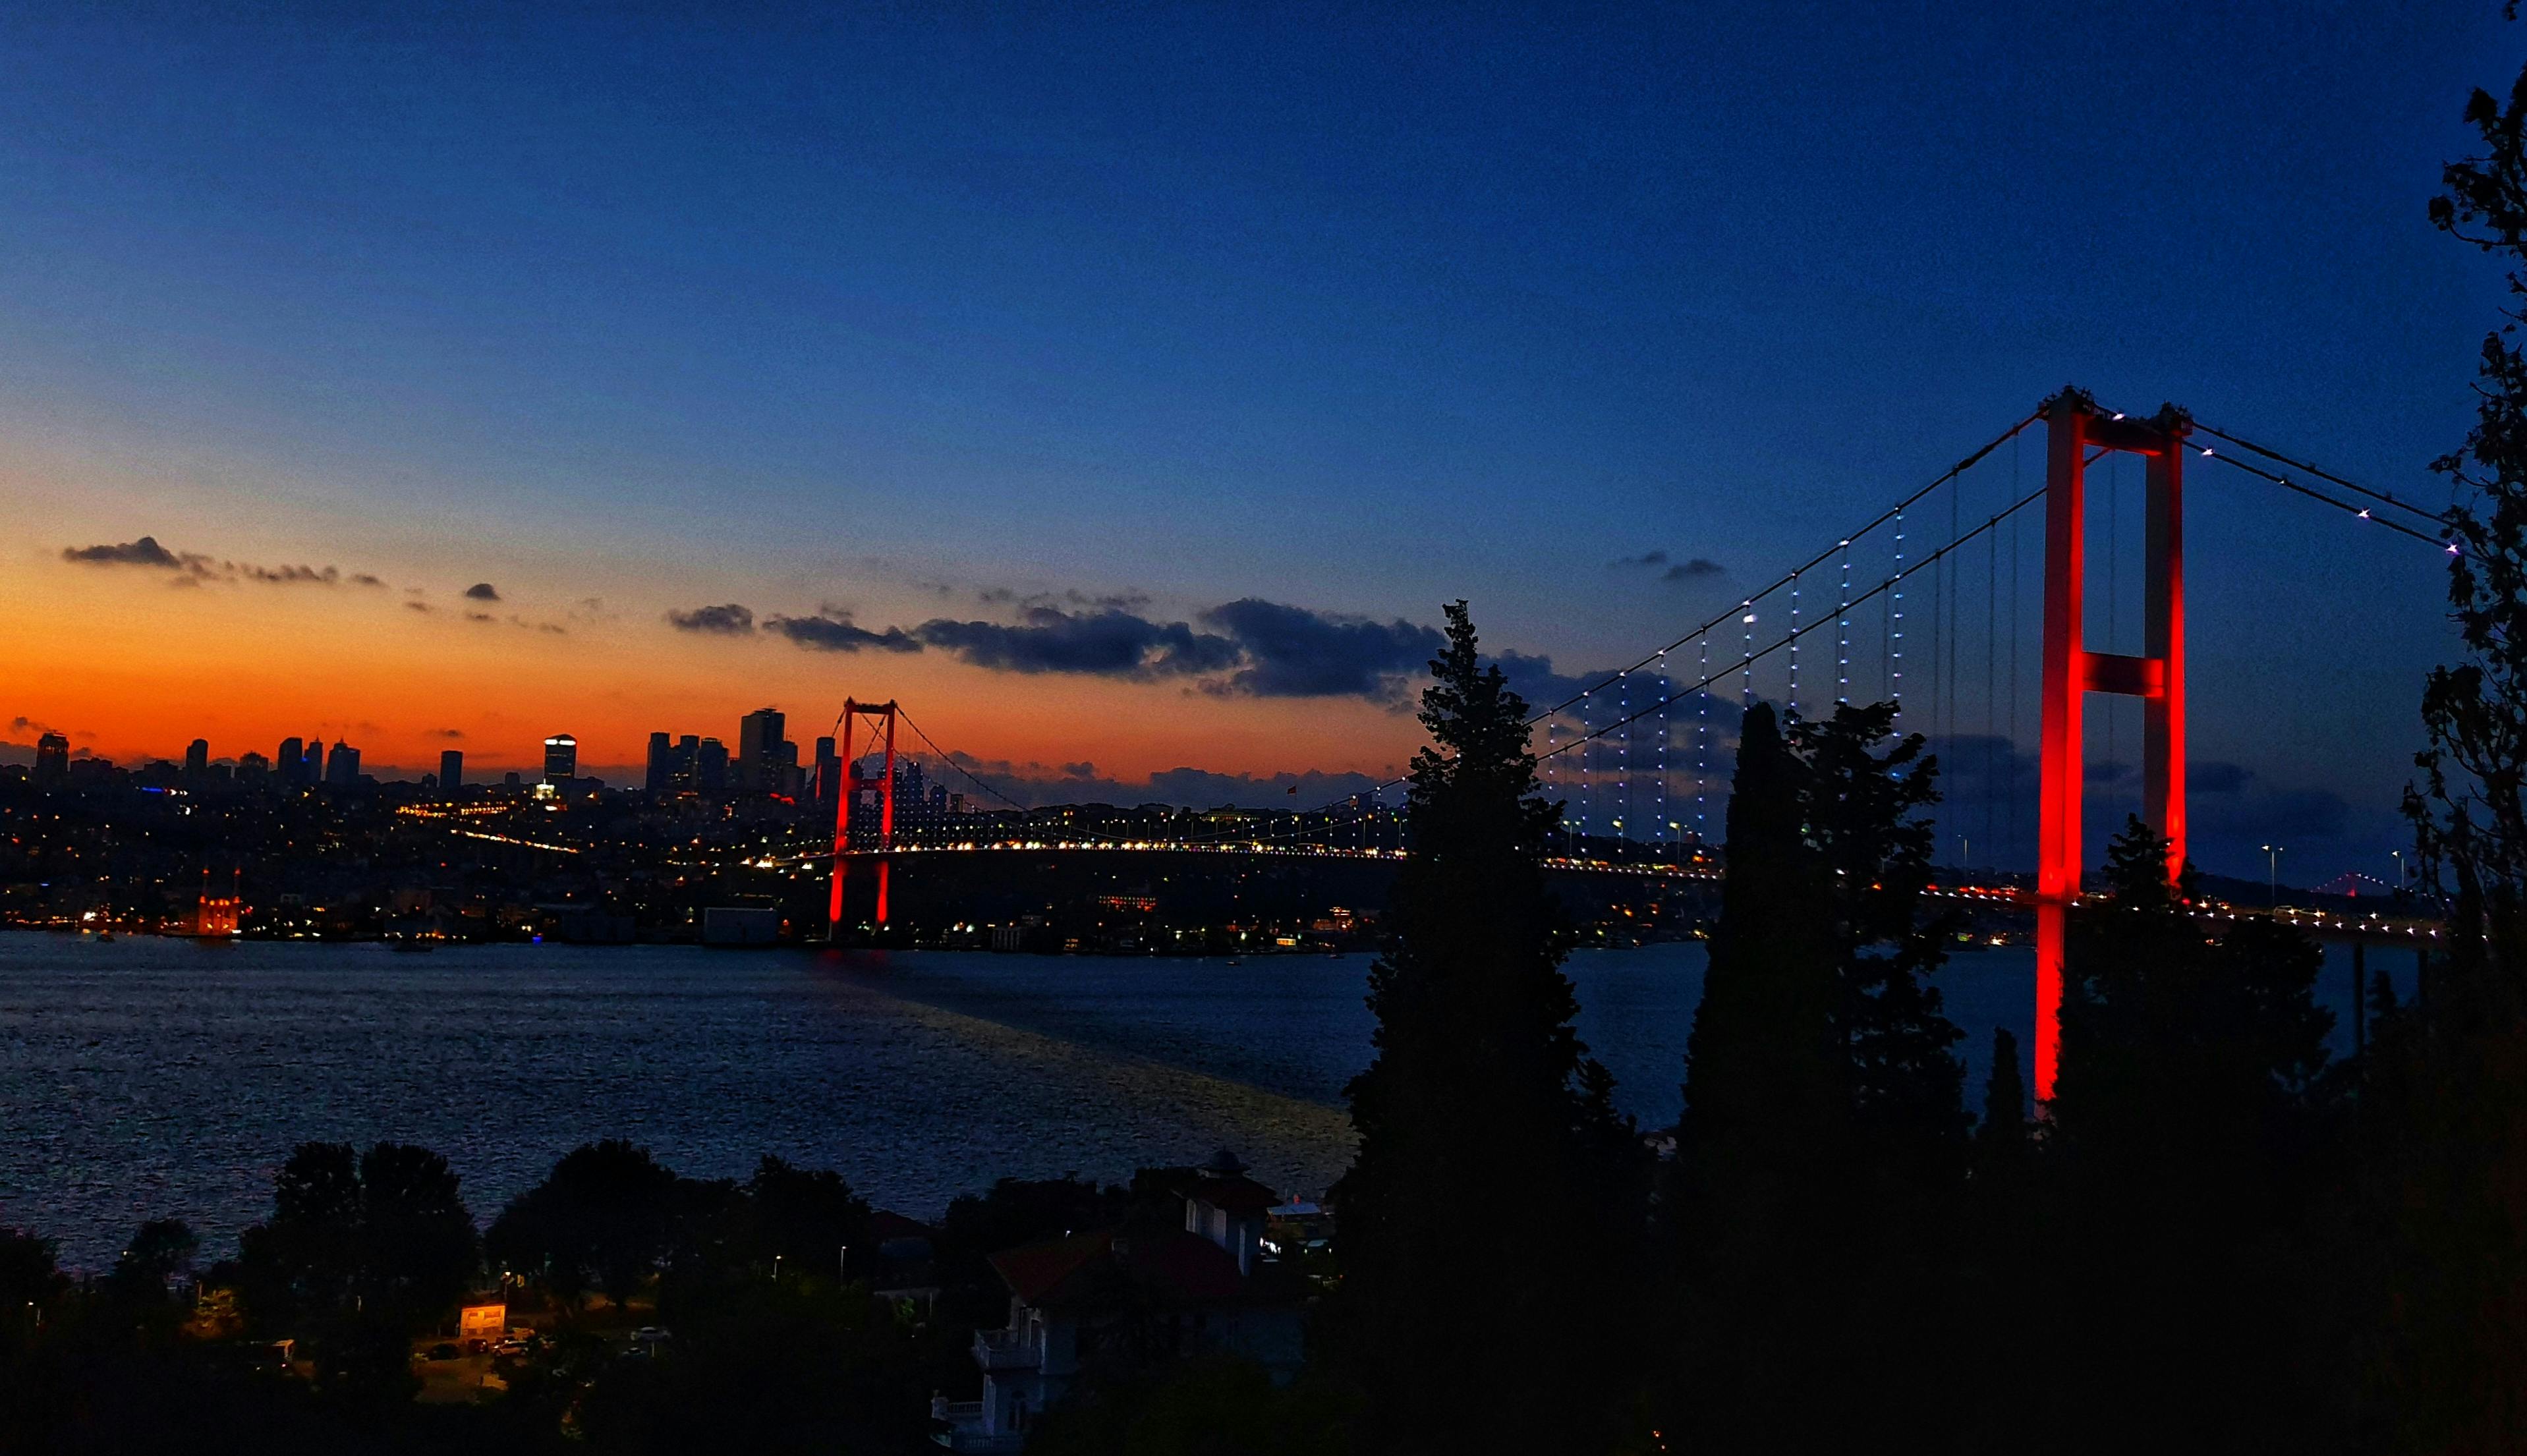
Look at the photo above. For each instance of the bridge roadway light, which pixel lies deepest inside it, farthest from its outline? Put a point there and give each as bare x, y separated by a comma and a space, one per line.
2273, 874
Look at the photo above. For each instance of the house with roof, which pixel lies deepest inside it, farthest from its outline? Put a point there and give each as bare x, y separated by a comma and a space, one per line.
1126, 1298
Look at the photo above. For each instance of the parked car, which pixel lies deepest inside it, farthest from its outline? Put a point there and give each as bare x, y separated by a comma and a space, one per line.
443, 1351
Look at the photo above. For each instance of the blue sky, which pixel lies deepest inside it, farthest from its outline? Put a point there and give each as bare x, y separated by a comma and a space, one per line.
1356, 312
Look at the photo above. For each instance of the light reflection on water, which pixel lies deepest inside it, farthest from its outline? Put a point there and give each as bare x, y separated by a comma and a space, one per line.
145, 1078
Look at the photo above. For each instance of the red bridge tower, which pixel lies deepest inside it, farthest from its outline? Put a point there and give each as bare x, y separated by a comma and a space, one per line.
853, 711
2073, 429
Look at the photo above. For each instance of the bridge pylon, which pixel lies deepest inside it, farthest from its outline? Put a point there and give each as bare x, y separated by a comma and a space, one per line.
843, 803
2074, 428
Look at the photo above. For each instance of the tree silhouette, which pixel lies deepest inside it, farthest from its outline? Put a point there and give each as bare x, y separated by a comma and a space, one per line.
1824, 1125
2444, 1111
1488, 1217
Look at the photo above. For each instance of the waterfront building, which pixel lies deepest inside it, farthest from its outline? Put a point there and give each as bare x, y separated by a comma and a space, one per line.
1203, 1285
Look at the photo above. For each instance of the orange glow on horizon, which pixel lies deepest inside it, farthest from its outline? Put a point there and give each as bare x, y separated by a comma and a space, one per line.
133, 667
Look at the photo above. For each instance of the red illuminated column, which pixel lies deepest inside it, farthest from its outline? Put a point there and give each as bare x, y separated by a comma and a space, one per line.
886, 815
842, 826
2057, 811
2163, 715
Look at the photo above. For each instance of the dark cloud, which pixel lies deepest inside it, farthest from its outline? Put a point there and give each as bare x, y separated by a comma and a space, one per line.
1291, 651
447, 733
1699, 567
1645, 558
146, 551
419, 607
195, 567
2217, 776
482, 591
830, 631
1097, 644
480, 616
1035, 784
728, 619
288, 576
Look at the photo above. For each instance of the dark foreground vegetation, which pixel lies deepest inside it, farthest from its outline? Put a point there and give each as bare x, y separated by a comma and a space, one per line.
2213, 1237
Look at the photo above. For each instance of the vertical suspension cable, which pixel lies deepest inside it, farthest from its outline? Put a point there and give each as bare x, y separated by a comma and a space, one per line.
1842, 633
1896, 627
1794, 643
1623, 758
2017, 582
1990, 676
1702, 742
1667, 690
1747, 673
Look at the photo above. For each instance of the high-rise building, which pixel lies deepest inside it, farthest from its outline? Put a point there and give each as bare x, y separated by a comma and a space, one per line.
829, 773
660, 778
759, 750
291, 761
561, 758
343, 766
311, 768
451, 770
710, 765
198, 758
252, 768
52, 758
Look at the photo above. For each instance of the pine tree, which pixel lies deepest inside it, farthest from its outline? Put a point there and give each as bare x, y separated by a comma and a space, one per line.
1487, 1217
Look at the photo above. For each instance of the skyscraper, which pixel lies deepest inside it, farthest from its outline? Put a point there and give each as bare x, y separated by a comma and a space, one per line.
291, 761
311, 768
660, 778
343, 767
451, 770
759, 750
710, 765
52, 758
252, 768
198, 758
561, 758
829, 773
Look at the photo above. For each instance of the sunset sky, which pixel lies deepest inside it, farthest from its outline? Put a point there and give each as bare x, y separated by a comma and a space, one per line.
1132, 390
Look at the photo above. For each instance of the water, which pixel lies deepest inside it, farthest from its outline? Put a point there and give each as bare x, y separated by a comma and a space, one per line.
147, 1079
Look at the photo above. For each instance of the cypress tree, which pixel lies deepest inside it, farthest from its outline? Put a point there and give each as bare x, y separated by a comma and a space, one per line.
2188, 1161
2000, 1138
1823, 1125
1488, 1216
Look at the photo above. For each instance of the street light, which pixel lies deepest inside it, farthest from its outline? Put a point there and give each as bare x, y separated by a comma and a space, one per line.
2273, 874
2400, 868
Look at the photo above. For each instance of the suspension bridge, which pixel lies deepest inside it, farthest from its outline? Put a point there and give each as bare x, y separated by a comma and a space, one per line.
1908, 609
